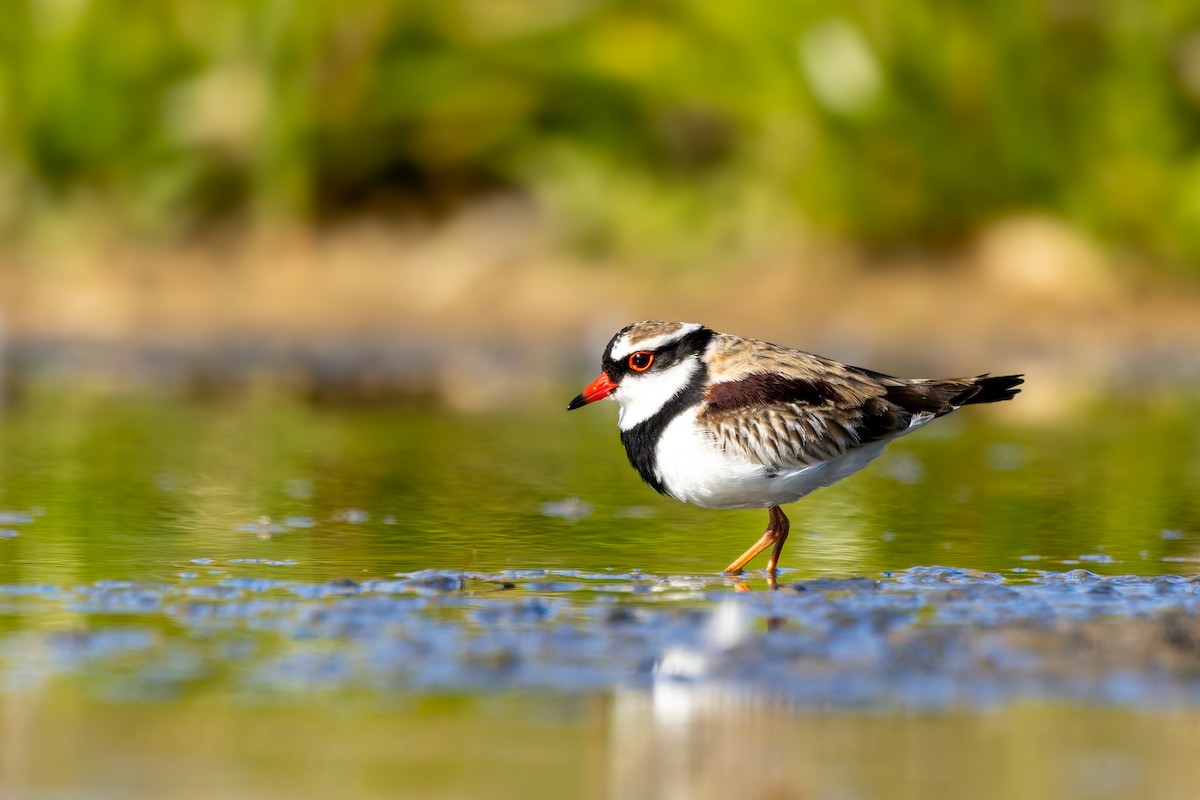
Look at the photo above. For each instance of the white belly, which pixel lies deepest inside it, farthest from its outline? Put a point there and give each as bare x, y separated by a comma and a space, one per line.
695, 469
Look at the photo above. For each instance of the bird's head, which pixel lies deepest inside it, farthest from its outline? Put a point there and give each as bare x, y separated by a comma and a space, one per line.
645, 366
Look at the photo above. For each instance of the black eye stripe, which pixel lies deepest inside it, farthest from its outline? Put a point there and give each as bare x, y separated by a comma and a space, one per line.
666, 356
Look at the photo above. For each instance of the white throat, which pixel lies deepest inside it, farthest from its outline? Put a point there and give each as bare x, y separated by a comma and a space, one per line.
643, 396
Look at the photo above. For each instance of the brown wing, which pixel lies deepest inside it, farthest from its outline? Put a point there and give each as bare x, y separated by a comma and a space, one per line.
783, 421
789, 409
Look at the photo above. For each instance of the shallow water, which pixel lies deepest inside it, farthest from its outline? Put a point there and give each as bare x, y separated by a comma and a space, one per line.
260, 597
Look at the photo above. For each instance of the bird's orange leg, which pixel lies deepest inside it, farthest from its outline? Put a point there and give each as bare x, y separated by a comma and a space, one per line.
768, 539
775, 534
780, 523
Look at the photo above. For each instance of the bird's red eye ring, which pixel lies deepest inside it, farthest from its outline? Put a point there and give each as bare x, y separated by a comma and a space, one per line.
641, 361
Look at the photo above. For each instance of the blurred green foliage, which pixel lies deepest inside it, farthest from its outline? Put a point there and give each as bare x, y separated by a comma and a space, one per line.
631, 122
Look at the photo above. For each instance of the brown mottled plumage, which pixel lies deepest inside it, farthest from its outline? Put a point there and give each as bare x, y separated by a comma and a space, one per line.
728, 422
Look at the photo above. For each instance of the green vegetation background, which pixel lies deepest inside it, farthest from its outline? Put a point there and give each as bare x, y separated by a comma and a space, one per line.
632, 124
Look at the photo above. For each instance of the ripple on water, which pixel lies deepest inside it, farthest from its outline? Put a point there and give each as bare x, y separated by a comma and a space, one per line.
925, 637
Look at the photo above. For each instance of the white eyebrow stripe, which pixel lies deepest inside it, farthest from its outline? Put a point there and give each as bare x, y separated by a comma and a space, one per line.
623, 348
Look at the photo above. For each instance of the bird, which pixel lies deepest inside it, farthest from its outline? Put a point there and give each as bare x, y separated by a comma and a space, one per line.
728, 422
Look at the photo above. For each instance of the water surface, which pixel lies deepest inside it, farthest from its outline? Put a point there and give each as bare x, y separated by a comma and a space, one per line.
257, 596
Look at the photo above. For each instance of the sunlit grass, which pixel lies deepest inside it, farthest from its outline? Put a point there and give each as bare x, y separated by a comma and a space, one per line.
635, 126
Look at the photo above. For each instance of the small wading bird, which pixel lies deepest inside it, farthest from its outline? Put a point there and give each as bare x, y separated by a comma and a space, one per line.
726, 422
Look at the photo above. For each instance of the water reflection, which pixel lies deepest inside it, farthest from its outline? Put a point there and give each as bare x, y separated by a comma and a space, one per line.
927, 637
103, 487
733, 745
159, 556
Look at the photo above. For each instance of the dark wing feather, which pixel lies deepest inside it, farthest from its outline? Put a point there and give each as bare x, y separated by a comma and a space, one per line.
824, 409
784, 421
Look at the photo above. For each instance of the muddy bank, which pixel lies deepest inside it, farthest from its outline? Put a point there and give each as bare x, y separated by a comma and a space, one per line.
435, 309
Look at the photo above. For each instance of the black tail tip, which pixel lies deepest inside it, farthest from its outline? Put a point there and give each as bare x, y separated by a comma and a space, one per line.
994, 388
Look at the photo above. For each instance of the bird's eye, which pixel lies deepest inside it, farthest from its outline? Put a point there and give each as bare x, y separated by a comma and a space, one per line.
641, 361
